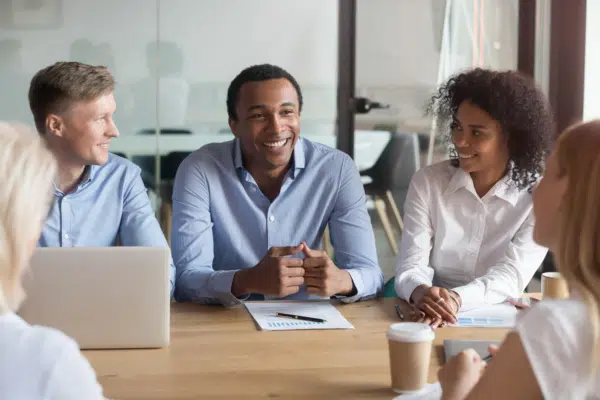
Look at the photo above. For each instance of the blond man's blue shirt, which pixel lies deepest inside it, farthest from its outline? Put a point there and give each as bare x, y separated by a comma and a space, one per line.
109, 205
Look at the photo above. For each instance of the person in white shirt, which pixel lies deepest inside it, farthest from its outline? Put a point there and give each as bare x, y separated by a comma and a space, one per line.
467, 224
554, 351
35, 362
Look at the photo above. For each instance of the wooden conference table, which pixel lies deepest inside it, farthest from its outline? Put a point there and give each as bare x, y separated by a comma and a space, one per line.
218, 353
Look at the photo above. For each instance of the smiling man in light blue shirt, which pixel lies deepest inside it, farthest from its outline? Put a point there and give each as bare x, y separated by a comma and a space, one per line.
99, 198
249, 214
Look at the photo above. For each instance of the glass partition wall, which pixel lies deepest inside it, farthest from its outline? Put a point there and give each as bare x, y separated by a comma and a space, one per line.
173, 61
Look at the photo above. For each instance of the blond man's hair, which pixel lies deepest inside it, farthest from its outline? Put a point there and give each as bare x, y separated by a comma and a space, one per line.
26, 169
578, 246
54, 89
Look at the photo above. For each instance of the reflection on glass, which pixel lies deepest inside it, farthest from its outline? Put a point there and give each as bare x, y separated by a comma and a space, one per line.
476, 33
198, 55
174, 60
13, 82
405, 49
164, 61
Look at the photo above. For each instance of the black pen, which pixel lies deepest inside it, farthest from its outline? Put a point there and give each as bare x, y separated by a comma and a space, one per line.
399, 312
488, 358
300, 317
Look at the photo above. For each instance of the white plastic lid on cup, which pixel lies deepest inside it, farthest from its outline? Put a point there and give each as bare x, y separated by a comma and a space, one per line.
552, 275
410, 332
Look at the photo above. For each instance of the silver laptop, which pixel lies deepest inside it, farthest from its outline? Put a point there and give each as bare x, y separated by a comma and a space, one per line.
103, 297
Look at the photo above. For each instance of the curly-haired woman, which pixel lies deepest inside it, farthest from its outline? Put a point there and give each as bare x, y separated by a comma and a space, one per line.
468, 221
554, 351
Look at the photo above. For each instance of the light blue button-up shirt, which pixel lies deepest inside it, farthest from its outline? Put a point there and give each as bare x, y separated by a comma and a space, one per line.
110, 202
222, 222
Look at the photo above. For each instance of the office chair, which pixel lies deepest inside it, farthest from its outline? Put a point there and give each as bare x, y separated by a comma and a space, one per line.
392, 172
169, 165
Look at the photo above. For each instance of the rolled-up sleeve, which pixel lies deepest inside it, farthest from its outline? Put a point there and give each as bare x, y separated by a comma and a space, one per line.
510, 275
413, 266
352, 235
192, 240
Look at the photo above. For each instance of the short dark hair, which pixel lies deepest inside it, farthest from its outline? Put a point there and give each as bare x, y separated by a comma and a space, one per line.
55, 88
513, 100
257, 73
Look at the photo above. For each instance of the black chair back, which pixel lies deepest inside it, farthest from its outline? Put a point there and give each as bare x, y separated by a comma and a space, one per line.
170, 163
148, 164
166, 131
397, 163
117, 153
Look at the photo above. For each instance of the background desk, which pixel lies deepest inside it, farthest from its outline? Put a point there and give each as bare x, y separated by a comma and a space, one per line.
218, 353
368, 144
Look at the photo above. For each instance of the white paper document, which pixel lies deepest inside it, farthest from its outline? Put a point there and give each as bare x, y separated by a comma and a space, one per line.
264, 313
431, 391
502, 315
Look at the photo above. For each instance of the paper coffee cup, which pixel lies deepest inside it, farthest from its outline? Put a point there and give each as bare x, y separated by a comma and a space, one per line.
410, 353
554, 286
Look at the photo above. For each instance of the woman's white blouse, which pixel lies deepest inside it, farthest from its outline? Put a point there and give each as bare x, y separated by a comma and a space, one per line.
480, 247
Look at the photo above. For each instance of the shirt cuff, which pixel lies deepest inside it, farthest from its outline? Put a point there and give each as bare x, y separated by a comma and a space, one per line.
471, 296
219, 283
172, 293
358, 282
172, 274
407, 284
222, 286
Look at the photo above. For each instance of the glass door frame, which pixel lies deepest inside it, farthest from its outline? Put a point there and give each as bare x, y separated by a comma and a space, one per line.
346, 76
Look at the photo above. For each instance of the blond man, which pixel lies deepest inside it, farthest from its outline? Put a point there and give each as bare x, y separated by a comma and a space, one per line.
99, 198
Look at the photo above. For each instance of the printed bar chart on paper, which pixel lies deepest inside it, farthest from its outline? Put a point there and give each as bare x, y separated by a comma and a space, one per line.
264, 313
491, 316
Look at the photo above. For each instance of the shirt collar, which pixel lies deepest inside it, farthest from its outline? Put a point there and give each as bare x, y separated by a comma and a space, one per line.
299, 159
89, 173
298, 156
459, 180
503, 189
237, 154
506, 190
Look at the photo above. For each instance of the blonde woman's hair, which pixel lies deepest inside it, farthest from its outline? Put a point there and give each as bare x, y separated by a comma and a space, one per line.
578, 247
26, 171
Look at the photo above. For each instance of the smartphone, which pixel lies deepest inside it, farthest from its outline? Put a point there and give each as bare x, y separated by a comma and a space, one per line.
522, 302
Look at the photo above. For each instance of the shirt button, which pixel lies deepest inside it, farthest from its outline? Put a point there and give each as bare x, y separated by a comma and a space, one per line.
271, 218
